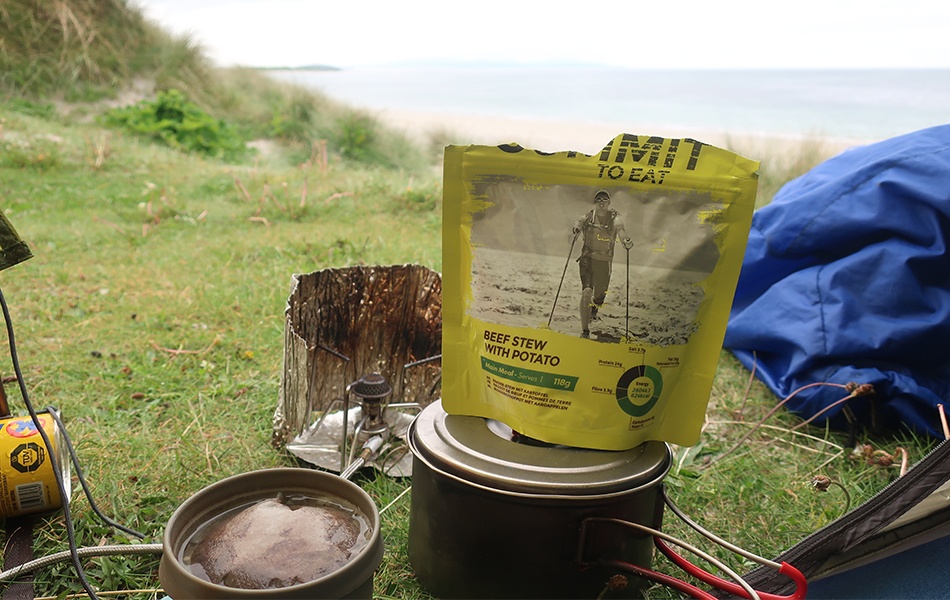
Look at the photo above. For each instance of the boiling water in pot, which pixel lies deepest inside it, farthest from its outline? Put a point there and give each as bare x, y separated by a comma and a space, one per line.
271, 543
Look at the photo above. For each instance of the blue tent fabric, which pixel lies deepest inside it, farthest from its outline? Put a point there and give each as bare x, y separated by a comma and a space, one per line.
846, 278
918, 573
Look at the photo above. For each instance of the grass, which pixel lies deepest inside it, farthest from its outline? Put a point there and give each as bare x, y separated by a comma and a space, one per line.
152, 313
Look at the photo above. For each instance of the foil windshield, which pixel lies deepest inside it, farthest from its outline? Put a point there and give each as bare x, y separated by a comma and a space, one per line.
341, 324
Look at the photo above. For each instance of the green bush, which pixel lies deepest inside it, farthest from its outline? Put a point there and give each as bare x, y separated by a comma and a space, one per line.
172, 119
357, 137
294, 116
360, 137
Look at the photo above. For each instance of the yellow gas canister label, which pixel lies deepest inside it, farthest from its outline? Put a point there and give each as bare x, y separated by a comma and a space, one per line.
27, 480
585, 297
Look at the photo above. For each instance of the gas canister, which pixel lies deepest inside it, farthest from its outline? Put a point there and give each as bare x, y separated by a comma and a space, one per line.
27, 480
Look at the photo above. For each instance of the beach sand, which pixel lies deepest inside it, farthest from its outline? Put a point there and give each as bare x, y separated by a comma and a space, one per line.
586, 137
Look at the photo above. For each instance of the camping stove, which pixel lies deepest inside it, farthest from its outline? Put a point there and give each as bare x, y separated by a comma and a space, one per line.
371, 390
362, 352
369, 432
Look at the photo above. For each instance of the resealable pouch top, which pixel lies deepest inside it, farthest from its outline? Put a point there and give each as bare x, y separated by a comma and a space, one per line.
585, 298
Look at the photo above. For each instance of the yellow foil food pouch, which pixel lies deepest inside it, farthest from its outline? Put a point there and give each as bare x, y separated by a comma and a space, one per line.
585, 298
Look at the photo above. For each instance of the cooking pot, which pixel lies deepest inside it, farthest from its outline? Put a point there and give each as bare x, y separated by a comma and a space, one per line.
353, 579
494, 517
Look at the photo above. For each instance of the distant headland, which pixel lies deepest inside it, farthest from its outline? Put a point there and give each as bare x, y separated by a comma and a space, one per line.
301, 68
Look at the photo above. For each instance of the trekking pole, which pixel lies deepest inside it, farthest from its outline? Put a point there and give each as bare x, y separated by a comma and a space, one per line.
626, 325
566, 263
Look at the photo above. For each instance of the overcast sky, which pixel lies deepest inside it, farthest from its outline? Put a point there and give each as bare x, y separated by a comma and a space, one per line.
629, 33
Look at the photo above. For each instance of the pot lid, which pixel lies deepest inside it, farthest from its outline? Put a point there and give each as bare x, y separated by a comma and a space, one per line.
481, 451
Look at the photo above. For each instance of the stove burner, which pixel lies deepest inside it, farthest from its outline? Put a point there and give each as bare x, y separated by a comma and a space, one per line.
371, 386
361, 428
371, 389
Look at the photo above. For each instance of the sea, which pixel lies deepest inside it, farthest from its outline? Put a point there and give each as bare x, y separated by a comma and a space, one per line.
865, 105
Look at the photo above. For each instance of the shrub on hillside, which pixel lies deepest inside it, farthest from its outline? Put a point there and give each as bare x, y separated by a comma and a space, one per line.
173, 120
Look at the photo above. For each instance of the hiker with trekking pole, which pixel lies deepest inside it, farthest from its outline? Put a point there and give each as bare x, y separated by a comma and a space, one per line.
600, 230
